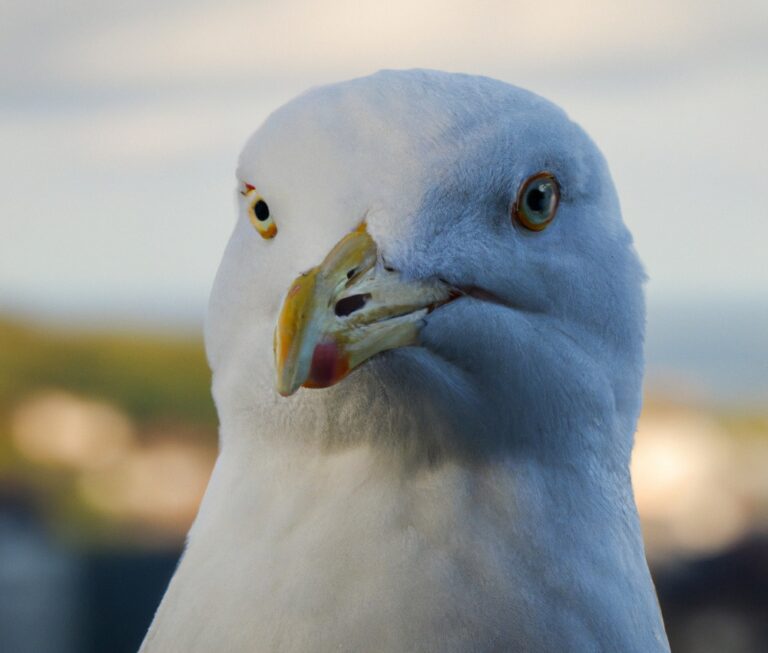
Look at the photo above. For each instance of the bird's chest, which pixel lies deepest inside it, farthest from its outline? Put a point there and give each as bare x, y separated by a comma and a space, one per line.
340, 554
360, 561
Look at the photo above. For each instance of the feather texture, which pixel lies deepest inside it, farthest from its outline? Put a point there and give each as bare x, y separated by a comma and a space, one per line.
468, 494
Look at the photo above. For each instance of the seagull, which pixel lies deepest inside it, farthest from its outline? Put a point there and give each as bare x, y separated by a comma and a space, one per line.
426, 337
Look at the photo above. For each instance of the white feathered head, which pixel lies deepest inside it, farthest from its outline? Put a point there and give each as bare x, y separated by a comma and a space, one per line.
445, 256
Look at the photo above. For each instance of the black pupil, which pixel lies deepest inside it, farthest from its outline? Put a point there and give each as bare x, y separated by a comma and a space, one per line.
536, 199
261, 210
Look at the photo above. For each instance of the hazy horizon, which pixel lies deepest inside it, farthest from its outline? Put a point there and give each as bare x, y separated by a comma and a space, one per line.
714, 351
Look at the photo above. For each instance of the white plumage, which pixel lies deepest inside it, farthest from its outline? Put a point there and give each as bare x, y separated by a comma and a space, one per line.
470, 493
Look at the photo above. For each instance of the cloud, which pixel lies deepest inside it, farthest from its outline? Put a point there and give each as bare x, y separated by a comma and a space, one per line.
177, 43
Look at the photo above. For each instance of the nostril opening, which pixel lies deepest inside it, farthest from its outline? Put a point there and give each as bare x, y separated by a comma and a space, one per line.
348, 305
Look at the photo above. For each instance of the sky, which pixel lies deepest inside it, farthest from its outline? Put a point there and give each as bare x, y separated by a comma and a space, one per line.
121, 123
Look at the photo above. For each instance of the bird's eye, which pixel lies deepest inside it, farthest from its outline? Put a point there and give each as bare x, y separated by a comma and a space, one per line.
258, 212
537, 200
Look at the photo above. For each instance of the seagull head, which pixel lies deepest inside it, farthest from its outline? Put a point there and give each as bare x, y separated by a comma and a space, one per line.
431, 260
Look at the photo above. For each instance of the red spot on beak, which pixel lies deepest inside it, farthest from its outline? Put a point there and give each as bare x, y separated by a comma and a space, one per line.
328, 366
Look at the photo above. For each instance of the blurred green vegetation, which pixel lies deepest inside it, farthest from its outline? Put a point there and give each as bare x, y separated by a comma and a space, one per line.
160, 382
160, 385
150, 377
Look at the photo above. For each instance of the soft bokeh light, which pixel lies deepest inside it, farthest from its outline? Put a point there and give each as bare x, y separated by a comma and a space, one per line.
159, 485
698, 488
57, 427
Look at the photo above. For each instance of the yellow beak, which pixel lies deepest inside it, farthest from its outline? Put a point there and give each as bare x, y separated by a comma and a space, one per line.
344, 311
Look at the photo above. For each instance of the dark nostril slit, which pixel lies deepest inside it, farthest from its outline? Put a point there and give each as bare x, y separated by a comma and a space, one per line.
351, 273
348, 305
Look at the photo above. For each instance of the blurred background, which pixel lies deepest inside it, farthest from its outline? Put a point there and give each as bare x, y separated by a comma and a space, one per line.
120, 126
